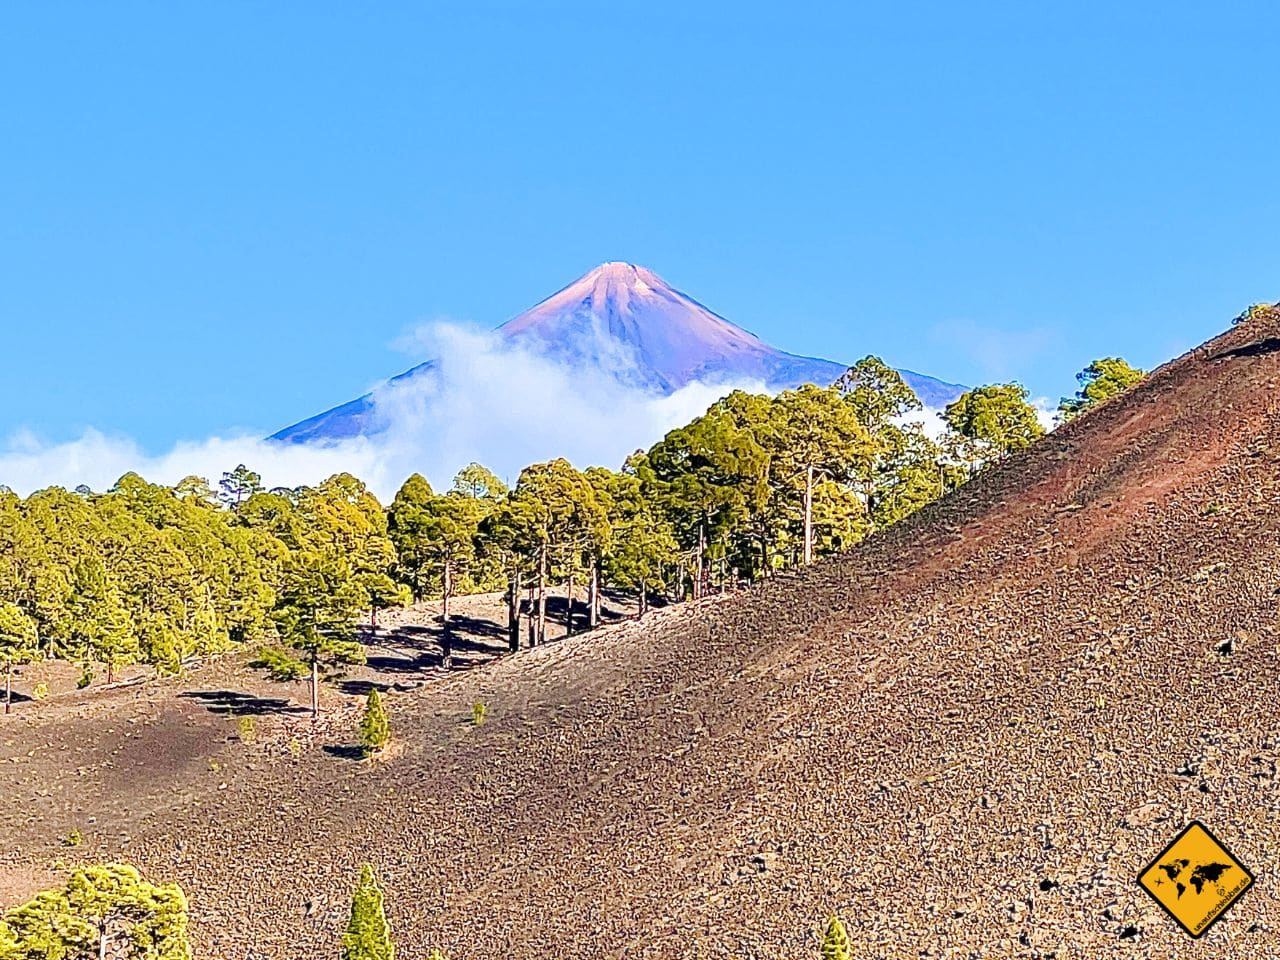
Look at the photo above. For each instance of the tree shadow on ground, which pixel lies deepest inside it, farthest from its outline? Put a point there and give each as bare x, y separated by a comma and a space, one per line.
429, 638
237, 703
1256, 349
344, 752
361, 688
389, 664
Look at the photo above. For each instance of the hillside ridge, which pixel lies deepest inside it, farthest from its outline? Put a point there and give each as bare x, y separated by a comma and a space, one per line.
966, 736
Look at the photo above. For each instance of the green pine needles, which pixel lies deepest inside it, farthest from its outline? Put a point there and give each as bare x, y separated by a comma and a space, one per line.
368, 935
835, 943
103, 911
375, 726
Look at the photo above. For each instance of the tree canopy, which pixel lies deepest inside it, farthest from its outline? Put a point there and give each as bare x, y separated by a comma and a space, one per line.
1099, 381
996, 420
161, 575
101, 911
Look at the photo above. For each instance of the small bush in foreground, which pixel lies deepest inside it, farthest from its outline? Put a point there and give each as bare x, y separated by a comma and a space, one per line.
835, 944
368, 935
479, 712
247, 729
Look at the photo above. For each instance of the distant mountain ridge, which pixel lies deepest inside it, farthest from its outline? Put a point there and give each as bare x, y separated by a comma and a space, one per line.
627, 320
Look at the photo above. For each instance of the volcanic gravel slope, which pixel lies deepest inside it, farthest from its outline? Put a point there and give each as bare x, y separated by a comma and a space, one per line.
965, 737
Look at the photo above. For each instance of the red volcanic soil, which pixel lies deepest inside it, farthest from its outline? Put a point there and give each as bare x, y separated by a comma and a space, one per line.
966, 737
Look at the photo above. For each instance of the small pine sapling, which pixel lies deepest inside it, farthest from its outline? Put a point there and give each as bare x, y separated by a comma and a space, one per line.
375, 725
835, 944
368, 935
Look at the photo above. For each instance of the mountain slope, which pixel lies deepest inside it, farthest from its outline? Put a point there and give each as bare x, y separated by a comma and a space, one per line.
967, 736
627, 321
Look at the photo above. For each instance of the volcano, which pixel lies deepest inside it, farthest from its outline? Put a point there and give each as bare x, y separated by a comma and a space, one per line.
629, 322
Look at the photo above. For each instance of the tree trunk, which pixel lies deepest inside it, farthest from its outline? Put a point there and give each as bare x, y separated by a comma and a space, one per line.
542, 595
697, 580
644, 597
446, 637
568, 615
315, 686
111, 673
808, 515
593, 612
513, 613
8, 687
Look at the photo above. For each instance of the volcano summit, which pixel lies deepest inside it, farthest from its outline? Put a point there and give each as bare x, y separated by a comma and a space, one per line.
627, 321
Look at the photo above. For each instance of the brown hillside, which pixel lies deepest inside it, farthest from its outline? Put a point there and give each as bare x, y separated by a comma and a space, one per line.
965, 737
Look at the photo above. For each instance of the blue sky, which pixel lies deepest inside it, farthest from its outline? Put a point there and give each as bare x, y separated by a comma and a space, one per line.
222, 216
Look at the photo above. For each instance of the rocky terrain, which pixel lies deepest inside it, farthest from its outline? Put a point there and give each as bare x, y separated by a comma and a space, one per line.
965, 737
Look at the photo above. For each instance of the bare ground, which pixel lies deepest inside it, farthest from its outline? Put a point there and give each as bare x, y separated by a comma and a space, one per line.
966, 736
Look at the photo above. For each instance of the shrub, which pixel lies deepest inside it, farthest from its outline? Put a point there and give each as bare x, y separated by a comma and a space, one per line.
368, 935
40, 691
73, 839
479, 712
835, 944
280, 665
86, 677
1258, 311
247, 728
375, 726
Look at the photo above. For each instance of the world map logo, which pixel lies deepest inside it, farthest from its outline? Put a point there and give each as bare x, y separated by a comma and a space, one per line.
1195, 879
1201, 874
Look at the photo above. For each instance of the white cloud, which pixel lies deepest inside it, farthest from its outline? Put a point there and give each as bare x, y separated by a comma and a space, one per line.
486, 400
1046, 412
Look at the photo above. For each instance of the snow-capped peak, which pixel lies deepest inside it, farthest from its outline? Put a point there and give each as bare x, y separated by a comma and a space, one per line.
625, 321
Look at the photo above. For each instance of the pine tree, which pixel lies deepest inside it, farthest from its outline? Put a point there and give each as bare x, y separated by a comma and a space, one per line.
8, 942
1099, 381
238, 486
18, 644
103, 911
318, 607
368, 935
375, 725
996, 420
835, 944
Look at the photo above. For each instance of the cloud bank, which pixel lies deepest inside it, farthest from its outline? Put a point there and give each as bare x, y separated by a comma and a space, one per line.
485, 399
